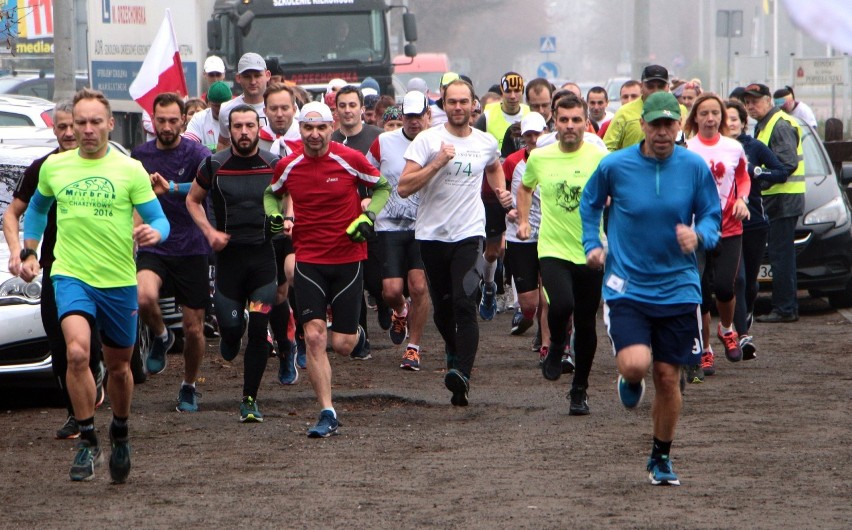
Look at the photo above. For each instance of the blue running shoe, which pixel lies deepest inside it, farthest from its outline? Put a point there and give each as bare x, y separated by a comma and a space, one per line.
458, 384
660, 471
488, 304
288, 374
156, 361
361, 351
630, 393
520, 324
187, 399
88, 456
301, 352
249, 411
325, 427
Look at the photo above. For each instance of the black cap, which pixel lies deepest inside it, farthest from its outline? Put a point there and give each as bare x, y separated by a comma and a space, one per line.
757, 90
655, 72
737, 93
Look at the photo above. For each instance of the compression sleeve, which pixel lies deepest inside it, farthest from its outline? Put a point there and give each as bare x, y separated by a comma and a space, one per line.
271, 202
152, 213
381, 193
35, 218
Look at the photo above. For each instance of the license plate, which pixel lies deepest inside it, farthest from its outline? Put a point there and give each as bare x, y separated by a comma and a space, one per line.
765, 273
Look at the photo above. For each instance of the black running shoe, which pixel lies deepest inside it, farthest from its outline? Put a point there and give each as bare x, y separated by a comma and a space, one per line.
579, 402
458, 384
69, 430
119, 461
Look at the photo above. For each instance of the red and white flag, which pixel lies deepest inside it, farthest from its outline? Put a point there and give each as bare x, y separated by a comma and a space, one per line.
162, 70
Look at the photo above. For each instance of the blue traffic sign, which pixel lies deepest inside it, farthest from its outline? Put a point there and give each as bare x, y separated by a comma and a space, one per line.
547, 44
548, 70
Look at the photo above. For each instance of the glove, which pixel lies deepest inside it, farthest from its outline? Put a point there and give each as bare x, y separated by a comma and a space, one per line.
361, 229
273, 225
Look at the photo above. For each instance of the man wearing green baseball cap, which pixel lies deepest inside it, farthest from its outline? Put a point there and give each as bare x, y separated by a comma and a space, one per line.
664, 207
204, 125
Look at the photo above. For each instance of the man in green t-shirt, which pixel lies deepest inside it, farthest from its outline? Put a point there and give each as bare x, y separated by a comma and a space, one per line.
570, 287
96, 190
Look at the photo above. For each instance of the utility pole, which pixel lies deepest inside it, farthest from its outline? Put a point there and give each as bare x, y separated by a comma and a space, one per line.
64, 49
641, 35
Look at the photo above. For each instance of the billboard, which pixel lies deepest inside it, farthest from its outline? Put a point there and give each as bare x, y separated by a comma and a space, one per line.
30, 29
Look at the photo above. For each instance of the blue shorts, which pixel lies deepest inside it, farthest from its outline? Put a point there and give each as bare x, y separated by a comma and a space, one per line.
672, 331
115, 309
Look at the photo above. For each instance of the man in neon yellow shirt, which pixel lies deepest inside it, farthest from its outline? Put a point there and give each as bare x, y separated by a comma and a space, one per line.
570, 287
96, 190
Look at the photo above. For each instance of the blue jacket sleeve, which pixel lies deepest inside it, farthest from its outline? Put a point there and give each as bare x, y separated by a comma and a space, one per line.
707, 210
35, 218
152, 214
592, 203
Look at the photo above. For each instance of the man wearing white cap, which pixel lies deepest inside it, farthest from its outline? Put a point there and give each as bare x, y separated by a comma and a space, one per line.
329, 232
571, 287
214, 70
253, 77
395, 228
448, 164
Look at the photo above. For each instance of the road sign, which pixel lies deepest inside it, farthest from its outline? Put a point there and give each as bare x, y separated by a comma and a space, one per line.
547, 44
825, 71
548, 70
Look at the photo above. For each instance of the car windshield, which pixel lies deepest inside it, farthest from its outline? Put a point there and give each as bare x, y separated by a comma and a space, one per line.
815, 163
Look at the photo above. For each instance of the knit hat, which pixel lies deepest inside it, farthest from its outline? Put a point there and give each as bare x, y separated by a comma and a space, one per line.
219, 92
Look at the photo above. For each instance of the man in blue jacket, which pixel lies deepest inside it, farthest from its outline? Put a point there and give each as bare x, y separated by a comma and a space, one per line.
664, 206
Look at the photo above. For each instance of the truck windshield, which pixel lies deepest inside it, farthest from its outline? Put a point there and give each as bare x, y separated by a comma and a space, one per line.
322, 38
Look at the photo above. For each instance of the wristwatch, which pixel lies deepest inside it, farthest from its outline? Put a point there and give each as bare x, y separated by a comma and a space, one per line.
289, 218
757, 171
26, 253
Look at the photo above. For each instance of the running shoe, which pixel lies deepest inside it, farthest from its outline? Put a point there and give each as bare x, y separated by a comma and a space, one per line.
301, 352
776, 317
288, 373
384, 315
660, 471
708, 362
567, 363
503, 302
520, 324
536, 343
410, 360
579, 401
488, 303
630, 393
551, 365
100, 393
156, 361
70, 429
85, 460
361, 351
458, 384
694, 374
187, 399
249, 413
732, 344
748, 348
398, 331
119, 461
325, 427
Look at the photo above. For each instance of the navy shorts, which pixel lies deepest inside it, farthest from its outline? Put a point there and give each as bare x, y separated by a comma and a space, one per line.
341, 286
115, 309
672, 331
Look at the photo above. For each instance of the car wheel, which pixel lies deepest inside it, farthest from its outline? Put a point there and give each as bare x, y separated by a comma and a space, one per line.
841, 299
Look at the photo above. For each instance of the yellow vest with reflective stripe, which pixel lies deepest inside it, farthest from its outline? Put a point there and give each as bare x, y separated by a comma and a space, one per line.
495, 121
795, 182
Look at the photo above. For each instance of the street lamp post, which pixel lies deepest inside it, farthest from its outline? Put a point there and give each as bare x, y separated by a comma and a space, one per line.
729, 24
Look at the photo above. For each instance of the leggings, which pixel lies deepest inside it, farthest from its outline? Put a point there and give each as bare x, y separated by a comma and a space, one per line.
572, 289
454, 271
720, 272
754, 244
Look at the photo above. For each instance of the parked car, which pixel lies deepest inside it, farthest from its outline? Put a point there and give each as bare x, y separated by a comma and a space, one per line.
37, 85
824, 232
25, 110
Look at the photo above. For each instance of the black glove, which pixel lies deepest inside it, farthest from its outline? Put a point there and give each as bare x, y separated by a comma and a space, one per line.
362, 229
273, 225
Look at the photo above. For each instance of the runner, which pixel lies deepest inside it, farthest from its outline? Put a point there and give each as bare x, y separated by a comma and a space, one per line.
96, 189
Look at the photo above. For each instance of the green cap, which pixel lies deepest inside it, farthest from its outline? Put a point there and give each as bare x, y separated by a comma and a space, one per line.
219, 92
448, 78
661, 105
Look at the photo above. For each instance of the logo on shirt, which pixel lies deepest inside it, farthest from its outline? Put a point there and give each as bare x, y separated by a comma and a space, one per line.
331, 179
567, 196
97, 193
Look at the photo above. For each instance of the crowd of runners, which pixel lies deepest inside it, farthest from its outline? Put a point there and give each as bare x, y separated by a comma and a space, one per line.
529, 198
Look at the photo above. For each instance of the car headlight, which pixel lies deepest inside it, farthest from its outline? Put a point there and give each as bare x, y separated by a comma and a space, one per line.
834, 211
17, 291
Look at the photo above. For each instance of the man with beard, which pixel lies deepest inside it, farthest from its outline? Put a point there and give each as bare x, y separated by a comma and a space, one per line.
245, 260
179, 264
253, 77
448, 163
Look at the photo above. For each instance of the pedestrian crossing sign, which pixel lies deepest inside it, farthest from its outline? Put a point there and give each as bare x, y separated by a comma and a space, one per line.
547, 44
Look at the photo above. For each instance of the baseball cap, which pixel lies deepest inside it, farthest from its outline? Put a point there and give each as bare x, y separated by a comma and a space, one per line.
661, 105
418, 84
414, 103
533, 122
251, 61
218, 92
335, 83
318, 108
369, 91
757, 90
448, 78
655, 72
213, 65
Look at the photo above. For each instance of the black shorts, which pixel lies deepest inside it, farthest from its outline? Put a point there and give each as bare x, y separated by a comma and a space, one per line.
522, 260
672, 331
401, 252
341, 286
283, 247
495, 220
184, 276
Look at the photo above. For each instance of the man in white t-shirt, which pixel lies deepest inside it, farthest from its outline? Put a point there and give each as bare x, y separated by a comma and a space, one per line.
445, 165
204, 125
253, 77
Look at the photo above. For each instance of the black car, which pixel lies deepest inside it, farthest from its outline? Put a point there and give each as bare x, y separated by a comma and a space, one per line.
823, 232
